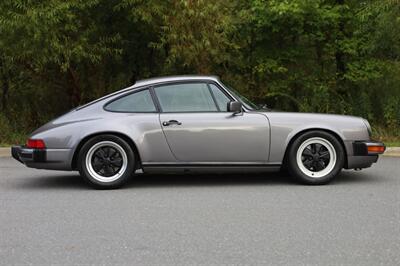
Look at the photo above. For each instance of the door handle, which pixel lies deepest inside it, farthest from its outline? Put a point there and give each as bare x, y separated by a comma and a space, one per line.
171, 122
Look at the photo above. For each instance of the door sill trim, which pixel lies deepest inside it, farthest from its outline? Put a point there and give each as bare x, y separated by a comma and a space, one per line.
211, 164
213, 168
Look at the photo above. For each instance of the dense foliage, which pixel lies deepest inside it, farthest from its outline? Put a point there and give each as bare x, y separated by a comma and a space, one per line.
334, 56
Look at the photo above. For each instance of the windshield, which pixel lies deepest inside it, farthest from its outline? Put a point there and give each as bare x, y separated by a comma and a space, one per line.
246, 102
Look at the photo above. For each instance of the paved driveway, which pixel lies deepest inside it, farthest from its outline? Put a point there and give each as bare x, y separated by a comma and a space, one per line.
53, 217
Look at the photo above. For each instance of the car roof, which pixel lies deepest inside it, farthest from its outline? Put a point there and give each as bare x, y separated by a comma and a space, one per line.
146, 82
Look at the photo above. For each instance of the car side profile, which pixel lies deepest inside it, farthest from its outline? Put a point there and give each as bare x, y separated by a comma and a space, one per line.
195, 124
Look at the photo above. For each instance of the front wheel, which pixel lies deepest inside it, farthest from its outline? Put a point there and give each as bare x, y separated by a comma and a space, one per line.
106, 161
315, 157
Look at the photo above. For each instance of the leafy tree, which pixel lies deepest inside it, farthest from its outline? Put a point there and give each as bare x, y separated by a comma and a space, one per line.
334, 56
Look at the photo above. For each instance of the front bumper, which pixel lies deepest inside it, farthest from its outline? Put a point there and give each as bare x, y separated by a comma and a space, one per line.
368, 148
365, 153
27, 155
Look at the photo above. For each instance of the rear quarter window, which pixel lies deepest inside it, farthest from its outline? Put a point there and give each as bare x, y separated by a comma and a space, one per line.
137, 102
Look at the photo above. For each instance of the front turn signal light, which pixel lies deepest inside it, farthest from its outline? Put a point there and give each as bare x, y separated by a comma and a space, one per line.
376, 149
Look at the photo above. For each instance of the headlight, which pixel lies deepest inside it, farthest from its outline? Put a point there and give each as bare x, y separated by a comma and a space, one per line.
368, 127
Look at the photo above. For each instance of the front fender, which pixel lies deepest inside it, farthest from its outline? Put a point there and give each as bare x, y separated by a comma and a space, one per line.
286, 126
296, 131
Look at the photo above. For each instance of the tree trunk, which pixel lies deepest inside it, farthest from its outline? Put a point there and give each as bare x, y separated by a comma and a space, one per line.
339, 55
5, 86
75, 92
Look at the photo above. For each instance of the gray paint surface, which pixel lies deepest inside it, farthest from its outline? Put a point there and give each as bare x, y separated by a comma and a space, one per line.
218, 137
49, 217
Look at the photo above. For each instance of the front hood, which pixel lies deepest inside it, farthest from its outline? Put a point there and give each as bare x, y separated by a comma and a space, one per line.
311, 116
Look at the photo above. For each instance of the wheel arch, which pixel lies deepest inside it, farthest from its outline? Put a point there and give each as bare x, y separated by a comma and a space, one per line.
118, 134
301, 132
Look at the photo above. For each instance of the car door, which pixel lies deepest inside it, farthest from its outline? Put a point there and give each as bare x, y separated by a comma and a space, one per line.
199, 129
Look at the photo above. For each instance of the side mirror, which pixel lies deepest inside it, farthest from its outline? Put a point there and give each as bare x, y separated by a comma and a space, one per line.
235, 107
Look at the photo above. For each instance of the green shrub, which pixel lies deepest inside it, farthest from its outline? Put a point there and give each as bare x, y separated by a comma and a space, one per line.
9, 135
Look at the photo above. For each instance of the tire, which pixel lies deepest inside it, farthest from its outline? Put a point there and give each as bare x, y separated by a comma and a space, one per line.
106, 162
315, 158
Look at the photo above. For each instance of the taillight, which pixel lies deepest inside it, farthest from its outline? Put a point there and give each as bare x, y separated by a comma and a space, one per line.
35, 144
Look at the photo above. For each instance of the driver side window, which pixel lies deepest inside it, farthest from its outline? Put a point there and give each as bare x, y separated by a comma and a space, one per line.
189, 97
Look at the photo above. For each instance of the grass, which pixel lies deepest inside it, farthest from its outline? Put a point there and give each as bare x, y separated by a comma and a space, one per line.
391, 137
392, 144
12, 139
4, 145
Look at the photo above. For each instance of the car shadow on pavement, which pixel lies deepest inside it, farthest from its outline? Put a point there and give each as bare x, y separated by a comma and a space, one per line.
74, 181
165, 180
269, 179
71, 181
352, 176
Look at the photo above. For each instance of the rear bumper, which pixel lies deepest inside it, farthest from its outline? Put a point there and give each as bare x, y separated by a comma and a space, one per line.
26, 155
363, 156
53, 159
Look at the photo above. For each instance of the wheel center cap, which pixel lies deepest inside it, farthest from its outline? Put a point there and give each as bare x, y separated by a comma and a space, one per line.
315, 157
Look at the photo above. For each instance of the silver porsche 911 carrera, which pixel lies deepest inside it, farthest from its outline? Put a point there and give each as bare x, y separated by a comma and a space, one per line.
195, 124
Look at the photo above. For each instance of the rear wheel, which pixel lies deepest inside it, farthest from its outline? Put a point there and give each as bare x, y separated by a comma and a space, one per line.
315, 157
106, 161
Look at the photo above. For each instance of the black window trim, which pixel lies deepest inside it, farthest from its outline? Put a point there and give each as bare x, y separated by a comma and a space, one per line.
155, 99
129, 93
205, 81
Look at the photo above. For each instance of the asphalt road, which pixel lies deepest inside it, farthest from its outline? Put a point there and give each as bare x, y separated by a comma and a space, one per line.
53, 217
